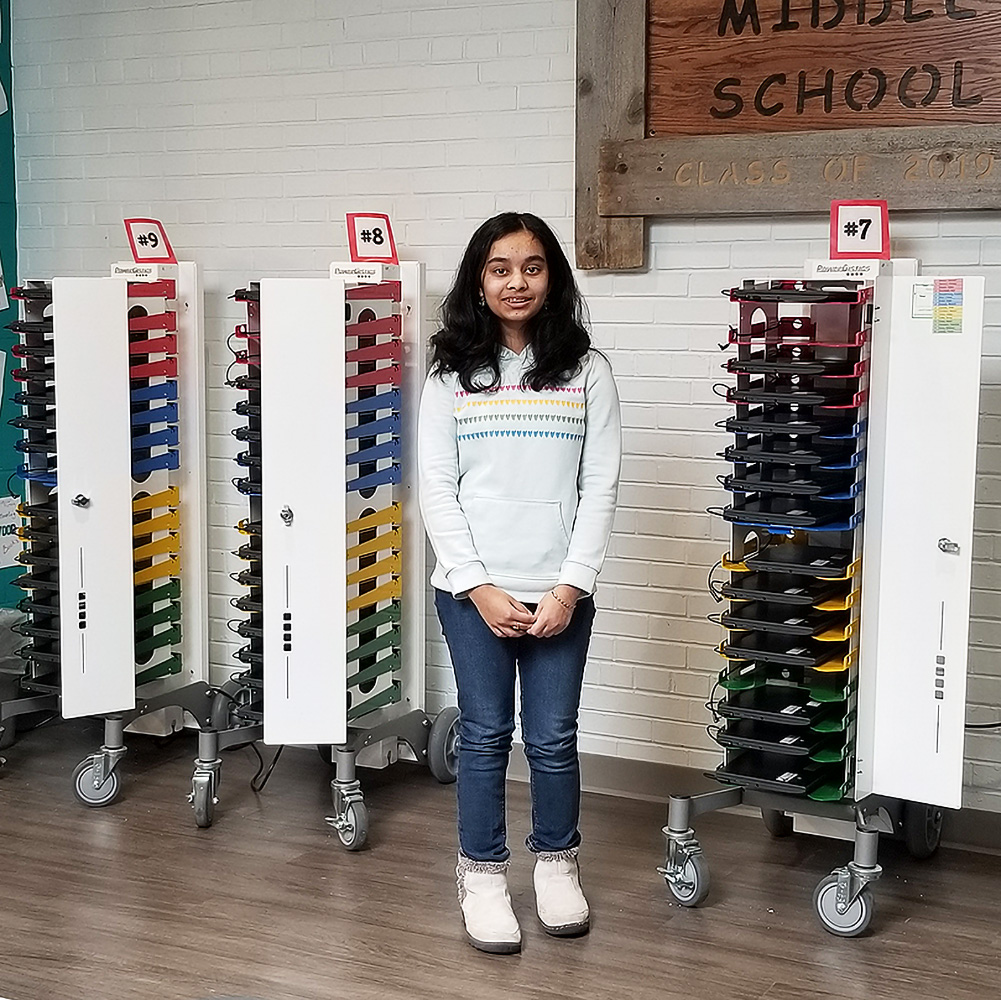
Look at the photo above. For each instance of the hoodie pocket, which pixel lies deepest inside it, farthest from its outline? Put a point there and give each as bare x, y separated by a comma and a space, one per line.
525, 539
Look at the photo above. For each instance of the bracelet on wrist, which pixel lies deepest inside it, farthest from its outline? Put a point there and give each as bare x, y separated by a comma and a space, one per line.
569, 607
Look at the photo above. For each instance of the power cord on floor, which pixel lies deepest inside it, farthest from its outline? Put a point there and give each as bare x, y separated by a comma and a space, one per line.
274, 760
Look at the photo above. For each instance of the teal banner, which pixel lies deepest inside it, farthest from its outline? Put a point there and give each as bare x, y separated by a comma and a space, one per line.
9, 484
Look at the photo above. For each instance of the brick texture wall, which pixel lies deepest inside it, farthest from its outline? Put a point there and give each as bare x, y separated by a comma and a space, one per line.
251, 126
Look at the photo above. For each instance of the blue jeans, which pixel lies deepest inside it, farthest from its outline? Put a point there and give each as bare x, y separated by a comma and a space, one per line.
551, 672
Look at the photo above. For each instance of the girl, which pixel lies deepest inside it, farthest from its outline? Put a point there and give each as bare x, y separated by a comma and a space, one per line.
518, 455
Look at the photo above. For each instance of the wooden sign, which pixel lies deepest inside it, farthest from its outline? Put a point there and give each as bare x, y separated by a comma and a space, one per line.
724, 66
772, 107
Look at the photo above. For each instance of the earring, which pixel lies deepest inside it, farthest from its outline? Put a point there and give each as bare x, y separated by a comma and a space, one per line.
483, 300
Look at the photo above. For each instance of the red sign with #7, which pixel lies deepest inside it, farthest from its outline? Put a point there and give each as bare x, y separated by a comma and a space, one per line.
860, 230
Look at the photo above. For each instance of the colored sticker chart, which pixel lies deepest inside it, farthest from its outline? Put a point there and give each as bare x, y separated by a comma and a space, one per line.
947, 306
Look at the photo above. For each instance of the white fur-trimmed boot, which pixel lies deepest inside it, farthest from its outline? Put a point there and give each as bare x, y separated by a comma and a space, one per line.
559, 901
486, 906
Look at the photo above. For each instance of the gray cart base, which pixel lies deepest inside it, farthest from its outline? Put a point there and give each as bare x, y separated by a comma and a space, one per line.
843, 900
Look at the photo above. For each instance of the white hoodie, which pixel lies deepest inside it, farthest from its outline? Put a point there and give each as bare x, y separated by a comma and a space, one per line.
517, 488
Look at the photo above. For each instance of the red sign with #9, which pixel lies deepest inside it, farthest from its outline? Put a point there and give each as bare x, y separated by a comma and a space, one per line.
149, 242
370, 238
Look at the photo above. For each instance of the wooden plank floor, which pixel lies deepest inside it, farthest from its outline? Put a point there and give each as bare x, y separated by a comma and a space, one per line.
133, 901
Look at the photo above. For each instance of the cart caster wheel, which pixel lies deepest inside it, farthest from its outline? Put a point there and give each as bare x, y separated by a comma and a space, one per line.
853, 921
228, 699
352, 828
83, 785
692, 884
443, 745
203, 800
922, 829
9, 735
778, 824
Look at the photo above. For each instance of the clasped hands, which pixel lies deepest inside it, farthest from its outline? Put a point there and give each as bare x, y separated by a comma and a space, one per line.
509, 618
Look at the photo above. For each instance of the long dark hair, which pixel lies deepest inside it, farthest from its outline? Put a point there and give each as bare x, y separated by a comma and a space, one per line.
468, 341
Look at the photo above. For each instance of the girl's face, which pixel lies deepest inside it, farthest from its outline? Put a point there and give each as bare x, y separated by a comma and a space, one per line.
515, 279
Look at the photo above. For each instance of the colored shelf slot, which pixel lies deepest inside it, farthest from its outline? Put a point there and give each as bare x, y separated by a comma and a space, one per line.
390, 639
167, 367
390, 696
392, 350
372, 404
165, 498
154, 345
168, 637
384, 567
387, 591
385, 290
164, 288
373, 621
171, 613
169, 460
162, 438
390, 375
162, 390
164, 522
381, 478
170, 666
153, 321
389, 449
384, 425
157, 415
388, 539
388, 515
170, 543
167, 592
388, 664
169, 567
388, 325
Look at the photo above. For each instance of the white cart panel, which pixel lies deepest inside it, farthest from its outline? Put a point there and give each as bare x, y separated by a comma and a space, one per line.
924, 408
97, 641
302, 361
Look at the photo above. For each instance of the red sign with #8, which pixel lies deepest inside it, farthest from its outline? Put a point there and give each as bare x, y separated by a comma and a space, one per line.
370, 238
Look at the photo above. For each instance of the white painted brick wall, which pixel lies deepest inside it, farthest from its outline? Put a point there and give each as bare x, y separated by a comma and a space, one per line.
251, 126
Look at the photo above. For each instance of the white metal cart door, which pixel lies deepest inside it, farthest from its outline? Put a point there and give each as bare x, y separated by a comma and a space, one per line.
303, 521
921, 467
94, 473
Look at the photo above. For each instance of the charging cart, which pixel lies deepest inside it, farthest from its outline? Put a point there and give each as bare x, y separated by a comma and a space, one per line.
114, 509
843, 695
334, 551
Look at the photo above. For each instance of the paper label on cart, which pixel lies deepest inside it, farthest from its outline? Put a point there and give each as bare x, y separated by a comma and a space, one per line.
794, 621
789, 739
789, 710
10, 521
795, 513
788, 776
813, 704
820, 562
849, 270
138, 272
794, 590
922, 299
795, 651
364, 274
